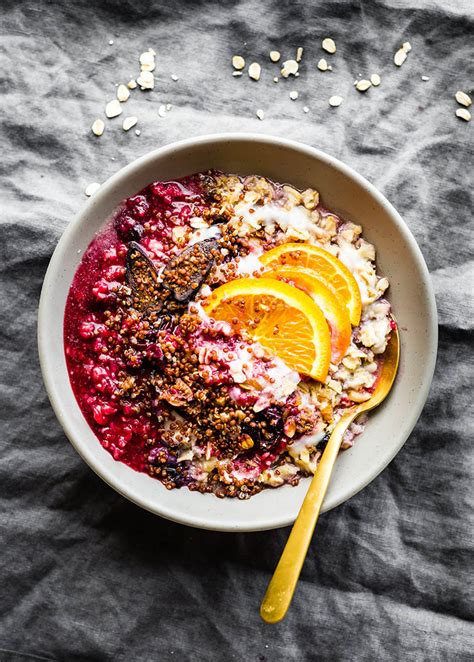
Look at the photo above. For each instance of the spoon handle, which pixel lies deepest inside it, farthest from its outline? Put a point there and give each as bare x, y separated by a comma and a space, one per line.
283, 583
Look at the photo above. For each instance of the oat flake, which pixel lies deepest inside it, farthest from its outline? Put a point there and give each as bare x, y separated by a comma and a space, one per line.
123, 93
290, 67
305, 109
375, 80
129, 122
335, 101
363, 85
237, 73
147, 61
132, 84
276, 79
162, 110
91, 189
400, 57
113, 108
98, 127
323, 65
463, 114
146, 80
463, 98
299, 54
238, 62
137, 132
329, 45
260, 114
275, 56
254, 71
425, 78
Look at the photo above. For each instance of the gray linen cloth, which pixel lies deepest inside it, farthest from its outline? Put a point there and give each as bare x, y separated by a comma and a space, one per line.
86, 575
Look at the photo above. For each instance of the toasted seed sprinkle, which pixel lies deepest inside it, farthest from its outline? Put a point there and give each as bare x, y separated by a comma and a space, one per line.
260, 114
98, 127
463, 98
305, 109
323, 65
137, 132
463, 114
238, 62
425, 78
375, 80
113, 108
91, 189
335, 101
147, 60
363, 85
275, 56
129, 122
293, 95
146, 80
132, 84
162, 110
299, 54
123, 93
329, 45
290, 67
174, 77
254, 71
237, 73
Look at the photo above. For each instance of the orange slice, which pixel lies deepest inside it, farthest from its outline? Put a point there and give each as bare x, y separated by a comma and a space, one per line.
327, 268
333, 309
283, 319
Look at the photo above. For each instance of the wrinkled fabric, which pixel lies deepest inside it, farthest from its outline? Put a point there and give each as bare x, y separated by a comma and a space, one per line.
86, 575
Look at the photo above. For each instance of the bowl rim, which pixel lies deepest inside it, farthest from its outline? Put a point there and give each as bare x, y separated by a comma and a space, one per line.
265, 522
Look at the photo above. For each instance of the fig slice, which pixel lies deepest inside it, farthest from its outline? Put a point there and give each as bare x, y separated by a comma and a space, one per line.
185, 273
142, 277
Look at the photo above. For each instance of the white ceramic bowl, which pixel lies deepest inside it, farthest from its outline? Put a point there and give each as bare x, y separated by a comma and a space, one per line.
399, 258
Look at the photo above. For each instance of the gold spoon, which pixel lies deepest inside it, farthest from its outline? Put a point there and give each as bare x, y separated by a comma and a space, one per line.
283, 583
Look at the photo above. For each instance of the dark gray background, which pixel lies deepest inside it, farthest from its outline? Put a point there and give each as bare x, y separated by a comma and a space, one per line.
85, 575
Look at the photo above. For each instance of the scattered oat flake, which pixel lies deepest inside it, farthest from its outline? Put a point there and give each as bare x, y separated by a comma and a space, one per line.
463, 114
375, 80
406, 46
238, 62
113, 108
98, 127
169, 106
425, 78
275, 56
299, 54
463, 98
147, 60
162, 110
132, 84
400, 57
254, 71
305, 109
91, 189
276, 79
335, 101
293, 95
123, 93
237, 73
260, 114
129, 122
174, 77
137, 132
329, 45
290, 67
323, 65
146, 80
363, 85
